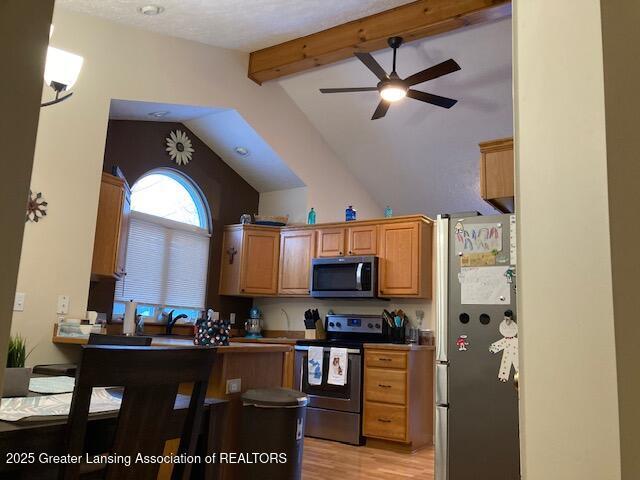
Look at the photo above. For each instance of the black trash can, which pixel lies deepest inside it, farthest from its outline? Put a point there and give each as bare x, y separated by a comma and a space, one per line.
272, 433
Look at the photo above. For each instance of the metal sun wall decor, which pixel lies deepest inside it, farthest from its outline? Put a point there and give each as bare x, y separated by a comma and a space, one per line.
179, 147
36, 207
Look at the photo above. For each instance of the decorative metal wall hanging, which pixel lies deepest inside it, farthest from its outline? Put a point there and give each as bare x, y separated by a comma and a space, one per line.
179, 147
36, 207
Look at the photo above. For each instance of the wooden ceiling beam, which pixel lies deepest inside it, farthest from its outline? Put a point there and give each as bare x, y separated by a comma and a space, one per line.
412, 21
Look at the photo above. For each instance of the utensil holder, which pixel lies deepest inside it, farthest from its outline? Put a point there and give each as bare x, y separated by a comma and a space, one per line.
397, 334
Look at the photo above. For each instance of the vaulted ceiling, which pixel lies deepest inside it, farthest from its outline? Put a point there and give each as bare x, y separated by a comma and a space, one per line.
419, 158
237, 24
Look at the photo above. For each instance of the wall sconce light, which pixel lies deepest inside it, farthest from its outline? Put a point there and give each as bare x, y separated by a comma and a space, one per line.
61, 72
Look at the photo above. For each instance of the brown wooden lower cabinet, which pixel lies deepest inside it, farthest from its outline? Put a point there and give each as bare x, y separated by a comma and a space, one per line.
398, 396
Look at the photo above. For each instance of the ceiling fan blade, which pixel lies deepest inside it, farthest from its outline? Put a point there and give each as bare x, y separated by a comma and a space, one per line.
430, 73
443, 102
372, 65
347, 90
381, 111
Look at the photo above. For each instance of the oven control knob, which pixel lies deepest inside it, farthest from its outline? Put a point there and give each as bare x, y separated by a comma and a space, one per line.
338, 324
331, 324
370, 325
377, 325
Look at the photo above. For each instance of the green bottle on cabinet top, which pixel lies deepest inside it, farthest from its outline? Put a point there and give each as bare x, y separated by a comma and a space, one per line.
311, 218
388, 213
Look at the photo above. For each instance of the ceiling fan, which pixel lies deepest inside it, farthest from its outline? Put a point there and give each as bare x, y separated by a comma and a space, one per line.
393, 88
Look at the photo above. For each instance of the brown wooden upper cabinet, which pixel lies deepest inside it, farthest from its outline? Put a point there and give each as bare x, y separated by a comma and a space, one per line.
297, 248
267, 261
112, 228
249, 264
496, 174
405, 259
331, 242
343, 241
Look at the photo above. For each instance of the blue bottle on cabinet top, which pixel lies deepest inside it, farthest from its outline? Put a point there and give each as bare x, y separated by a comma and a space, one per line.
388, 213
350, 213
311, 218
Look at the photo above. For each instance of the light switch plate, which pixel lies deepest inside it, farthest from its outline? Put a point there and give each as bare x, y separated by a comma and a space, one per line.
18, 303
63, 304
232, 318
234, 385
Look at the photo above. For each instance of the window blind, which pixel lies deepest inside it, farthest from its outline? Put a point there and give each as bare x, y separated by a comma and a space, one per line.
166, 263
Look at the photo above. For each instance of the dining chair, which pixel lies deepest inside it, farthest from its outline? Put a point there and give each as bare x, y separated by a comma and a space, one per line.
69, 369
149, 377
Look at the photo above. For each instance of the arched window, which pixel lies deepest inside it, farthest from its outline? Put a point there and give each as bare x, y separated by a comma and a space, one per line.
167, 249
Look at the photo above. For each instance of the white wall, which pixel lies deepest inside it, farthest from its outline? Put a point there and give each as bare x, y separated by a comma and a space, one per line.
292, 202
125, 63
419, 158
568, 394
288, 314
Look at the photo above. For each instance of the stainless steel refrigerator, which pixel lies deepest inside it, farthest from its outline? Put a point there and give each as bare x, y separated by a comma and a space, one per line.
476, 348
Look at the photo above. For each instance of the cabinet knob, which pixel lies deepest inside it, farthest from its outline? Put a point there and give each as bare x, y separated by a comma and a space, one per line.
242, 289
349, 252
340, 253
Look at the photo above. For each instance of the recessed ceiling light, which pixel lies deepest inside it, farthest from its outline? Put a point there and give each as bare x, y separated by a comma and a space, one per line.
151, 10
159, 114
242, 151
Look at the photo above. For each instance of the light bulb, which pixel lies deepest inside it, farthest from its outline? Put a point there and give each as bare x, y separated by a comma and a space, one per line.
393, 94
62, 67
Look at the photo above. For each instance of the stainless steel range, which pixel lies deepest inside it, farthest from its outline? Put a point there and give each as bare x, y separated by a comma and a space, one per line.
334, 412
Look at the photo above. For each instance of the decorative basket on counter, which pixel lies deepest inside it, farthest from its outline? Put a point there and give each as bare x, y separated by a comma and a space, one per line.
212, 333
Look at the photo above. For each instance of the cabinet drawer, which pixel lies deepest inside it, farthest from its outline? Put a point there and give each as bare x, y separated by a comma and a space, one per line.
385, 358
385, 421
385, 385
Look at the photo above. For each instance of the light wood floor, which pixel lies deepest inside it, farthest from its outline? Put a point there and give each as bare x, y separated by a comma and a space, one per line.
323, 460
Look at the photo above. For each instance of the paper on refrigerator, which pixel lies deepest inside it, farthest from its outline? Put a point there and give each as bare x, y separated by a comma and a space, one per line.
484, 286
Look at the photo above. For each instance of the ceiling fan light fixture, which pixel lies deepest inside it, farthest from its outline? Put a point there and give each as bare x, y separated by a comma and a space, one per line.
393, 93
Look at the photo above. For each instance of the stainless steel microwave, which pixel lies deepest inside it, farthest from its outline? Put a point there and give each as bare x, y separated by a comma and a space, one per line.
344, 277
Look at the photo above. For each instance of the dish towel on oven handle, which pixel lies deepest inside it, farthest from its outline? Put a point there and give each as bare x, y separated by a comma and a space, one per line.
338, 364
315, 356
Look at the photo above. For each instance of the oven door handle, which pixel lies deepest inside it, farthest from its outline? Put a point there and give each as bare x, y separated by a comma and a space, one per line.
305, 348
359, 276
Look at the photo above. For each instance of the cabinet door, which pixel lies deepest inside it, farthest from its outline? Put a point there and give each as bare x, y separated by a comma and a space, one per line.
297, 248
108, 228
259, 272
230, 262
399, 259
363, 240
330, 242
124, 234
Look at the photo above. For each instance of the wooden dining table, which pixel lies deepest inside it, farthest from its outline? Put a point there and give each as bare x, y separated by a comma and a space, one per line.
38, 437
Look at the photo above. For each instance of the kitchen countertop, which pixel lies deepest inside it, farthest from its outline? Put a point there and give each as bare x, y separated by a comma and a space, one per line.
398, 346
243, 346
265, 340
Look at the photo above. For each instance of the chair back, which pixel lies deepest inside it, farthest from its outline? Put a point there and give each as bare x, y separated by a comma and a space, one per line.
101, 339
150, 377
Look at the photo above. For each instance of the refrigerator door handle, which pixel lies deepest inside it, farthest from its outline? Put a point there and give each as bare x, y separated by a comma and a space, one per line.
442, 444
442, 397
442, 287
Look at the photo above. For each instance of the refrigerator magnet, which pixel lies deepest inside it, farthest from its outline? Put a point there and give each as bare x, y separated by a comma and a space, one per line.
462, 343
508, 345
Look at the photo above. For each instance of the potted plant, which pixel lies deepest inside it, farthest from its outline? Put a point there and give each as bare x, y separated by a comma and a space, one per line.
16, 376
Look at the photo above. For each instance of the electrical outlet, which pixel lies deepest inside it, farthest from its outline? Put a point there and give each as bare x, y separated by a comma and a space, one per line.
234, 385
63, 304
232, 318
18, 303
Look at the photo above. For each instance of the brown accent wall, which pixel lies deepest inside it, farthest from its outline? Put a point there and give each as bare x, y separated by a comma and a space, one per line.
137, 147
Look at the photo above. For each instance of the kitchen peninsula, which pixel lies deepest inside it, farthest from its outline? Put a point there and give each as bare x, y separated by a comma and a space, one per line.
239, 367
